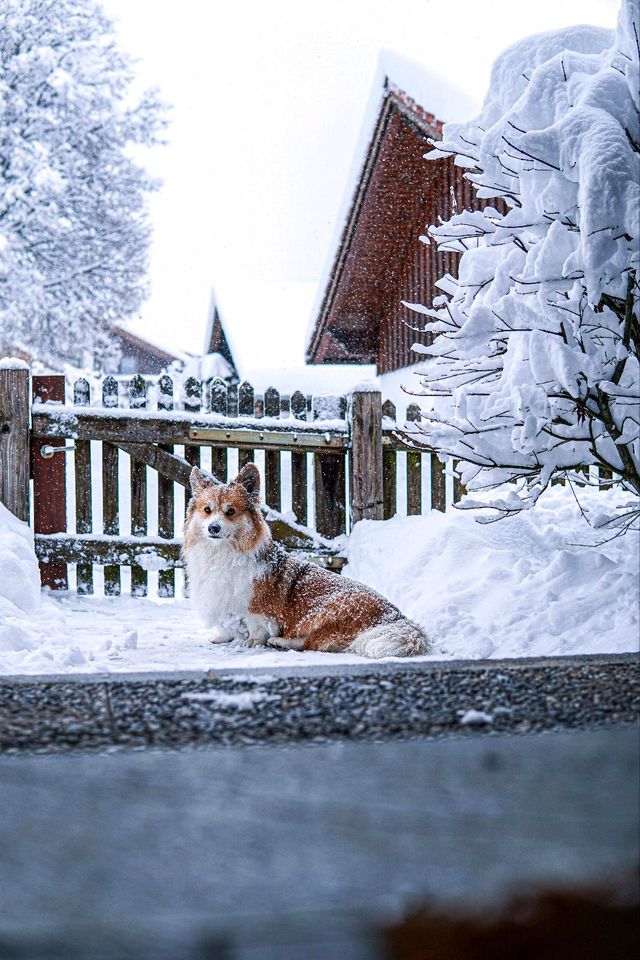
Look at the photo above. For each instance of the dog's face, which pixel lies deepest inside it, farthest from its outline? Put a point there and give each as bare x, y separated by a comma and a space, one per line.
227, 512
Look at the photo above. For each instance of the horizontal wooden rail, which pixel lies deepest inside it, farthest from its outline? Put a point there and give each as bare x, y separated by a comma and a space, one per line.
178, 428
273, 438
97, 548
103, 549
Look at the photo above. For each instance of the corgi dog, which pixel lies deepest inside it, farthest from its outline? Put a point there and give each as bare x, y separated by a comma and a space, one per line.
245, 585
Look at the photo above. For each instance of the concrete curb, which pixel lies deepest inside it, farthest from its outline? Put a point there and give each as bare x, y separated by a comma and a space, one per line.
331, 669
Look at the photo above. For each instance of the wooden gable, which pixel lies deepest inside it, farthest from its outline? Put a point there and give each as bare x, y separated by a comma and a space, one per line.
381, 261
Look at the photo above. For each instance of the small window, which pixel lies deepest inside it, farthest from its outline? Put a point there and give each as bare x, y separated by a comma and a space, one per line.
128, 365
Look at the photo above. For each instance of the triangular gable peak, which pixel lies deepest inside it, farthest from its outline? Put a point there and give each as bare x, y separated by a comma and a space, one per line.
216, 339
380, 260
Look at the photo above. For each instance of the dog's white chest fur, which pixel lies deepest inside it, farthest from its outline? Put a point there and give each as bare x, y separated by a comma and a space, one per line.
221, 583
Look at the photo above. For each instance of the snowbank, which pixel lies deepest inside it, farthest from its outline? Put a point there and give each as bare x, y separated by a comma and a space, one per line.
524, 586
19, 584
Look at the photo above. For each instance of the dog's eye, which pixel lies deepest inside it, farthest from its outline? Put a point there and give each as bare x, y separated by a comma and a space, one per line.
230, 512
207, 509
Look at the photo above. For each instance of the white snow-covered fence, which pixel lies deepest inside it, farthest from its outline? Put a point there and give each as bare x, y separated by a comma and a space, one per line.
429, 484
168, 428
107, 499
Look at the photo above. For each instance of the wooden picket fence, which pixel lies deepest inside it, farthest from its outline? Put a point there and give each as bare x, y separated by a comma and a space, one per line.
338, 458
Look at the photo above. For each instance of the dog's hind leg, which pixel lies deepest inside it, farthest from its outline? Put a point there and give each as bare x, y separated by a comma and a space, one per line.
286, 643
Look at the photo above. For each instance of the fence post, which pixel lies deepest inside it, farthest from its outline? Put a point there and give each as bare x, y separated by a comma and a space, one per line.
14, 439
49, 482
365, 416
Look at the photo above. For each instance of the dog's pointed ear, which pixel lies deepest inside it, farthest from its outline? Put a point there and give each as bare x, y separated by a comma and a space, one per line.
198, 481
249, 478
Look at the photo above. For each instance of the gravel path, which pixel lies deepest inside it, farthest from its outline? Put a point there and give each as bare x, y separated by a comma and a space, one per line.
379, 702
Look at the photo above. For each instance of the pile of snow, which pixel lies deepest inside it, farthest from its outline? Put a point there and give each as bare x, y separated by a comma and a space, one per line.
536, 584
19, 583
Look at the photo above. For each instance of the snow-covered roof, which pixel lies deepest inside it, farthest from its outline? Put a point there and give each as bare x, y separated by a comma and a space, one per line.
334, 379
139, 339
275, 356
421, 89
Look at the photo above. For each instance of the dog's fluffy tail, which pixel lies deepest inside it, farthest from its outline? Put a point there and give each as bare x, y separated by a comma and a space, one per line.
400, 638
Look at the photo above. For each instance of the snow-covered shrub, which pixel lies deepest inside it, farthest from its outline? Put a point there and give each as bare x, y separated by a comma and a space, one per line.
534, 366
74, 232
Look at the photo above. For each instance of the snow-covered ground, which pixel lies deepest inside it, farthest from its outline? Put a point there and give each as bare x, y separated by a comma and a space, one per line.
535, 584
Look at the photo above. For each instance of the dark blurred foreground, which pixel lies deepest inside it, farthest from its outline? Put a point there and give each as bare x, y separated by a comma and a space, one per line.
320, 852
598, 924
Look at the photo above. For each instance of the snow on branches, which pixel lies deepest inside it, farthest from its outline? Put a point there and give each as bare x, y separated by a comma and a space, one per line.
74, 232
534, 366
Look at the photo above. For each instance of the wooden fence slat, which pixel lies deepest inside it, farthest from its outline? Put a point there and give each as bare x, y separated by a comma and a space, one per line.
605, 477
438, 484
232, 400
366, 455
82, 471
389, 471
166, 578
414, 468
298, 404
138, 477
192, 404
329, 480
459, 488
329, 473
246, 408
299, 487
218, 404
299, 481
272, 479
110, 487
49, 482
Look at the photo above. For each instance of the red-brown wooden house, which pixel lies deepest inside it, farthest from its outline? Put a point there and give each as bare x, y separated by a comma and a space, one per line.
378, 260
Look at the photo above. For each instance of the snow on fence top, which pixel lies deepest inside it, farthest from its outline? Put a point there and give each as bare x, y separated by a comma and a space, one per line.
229, 405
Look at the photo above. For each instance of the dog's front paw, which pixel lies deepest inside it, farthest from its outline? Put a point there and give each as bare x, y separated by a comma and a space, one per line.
221, 635
257, 641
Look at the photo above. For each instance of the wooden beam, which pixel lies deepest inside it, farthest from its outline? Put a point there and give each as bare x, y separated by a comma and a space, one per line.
159, 427
366, 456
101, 549
14, 440
168, 464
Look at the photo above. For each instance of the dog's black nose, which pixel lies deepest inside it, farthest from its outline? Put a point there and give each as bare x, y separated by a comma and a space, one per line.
214, 528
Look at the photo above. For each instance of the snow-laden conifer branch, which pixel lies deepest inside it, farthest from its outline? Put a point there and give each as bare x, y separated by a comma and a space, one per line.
533, 370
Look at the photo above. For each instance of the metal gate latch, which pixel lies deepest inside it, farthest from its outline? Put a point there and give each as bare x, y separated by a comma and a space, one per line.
48, 451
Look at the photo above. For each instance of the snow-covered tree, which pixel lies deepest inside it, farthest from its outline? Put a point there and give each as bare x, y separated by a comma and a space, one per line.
534, 367
74, 231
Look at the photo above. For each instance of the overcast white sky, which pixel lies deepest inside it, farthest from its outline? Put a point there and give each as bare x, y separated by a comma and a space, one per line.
268, 100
